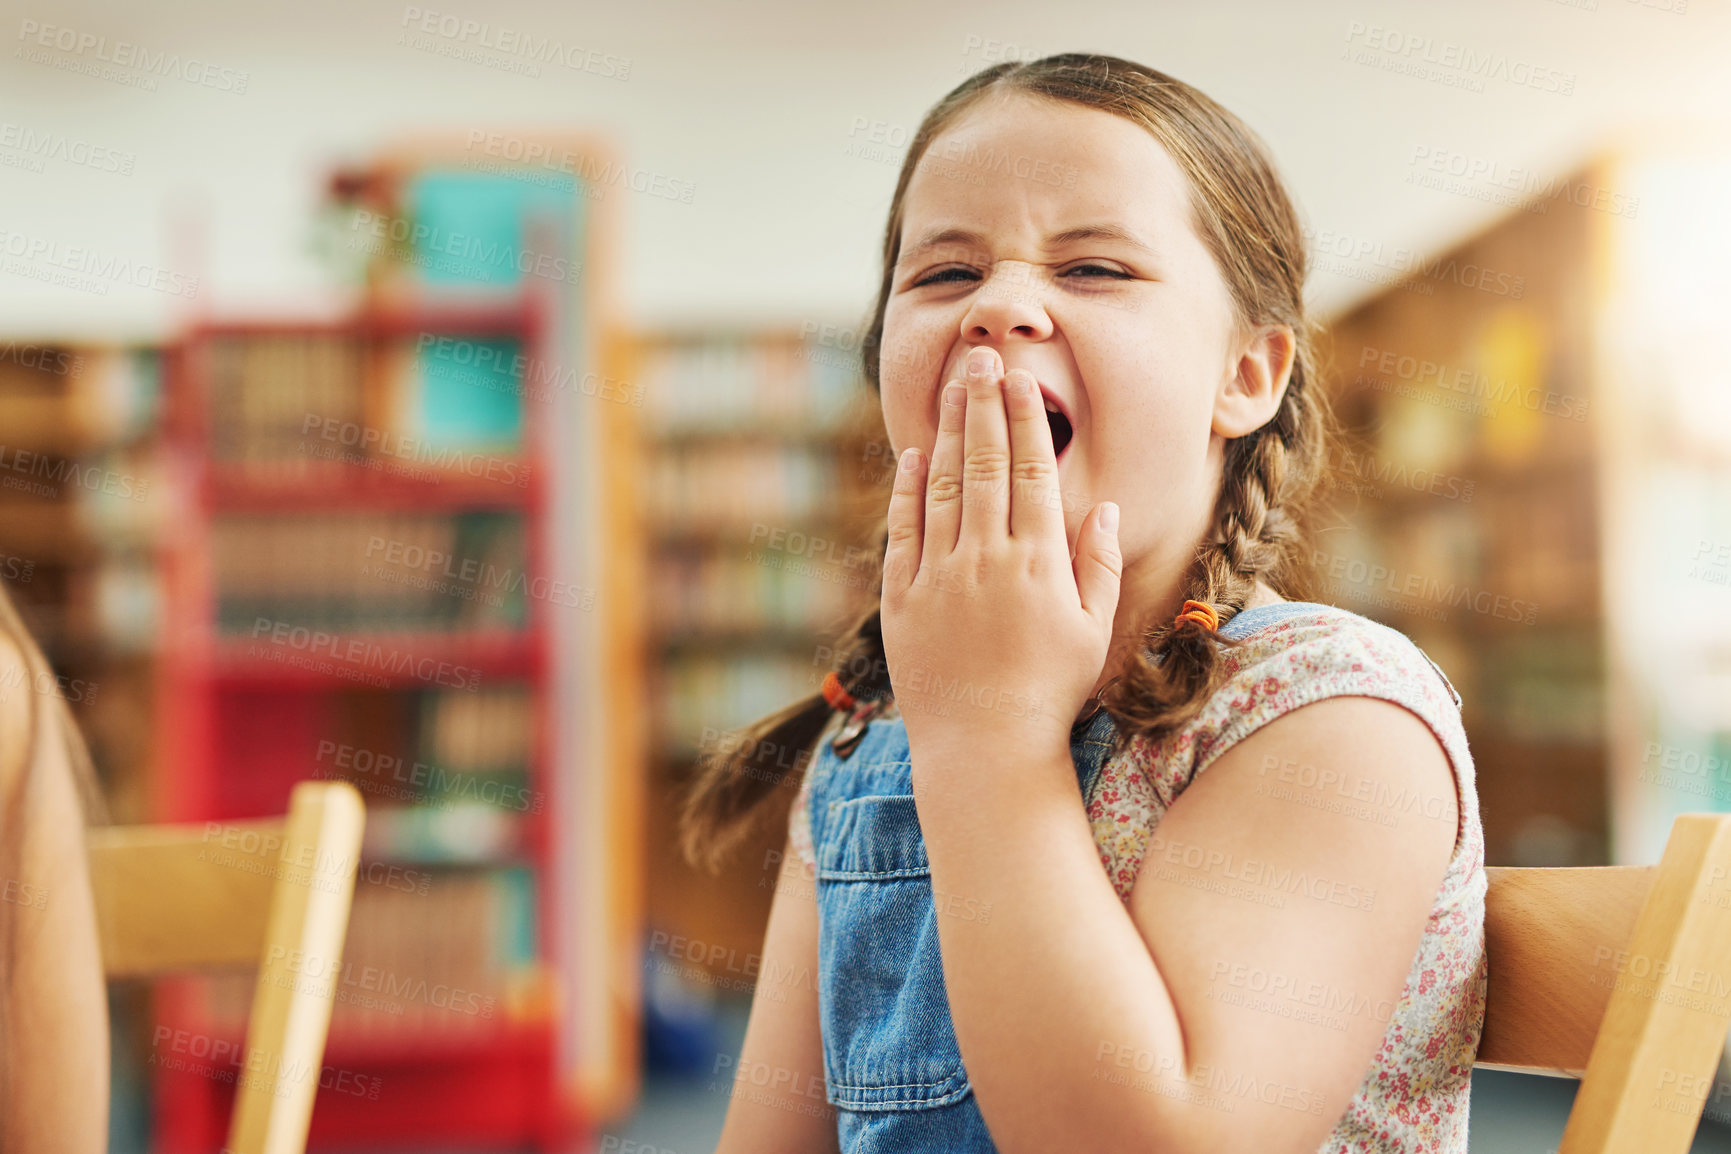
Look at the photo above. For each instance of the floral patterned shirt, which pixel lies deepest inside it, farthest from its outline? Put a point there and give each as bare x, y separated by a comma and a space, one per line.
1414, 1099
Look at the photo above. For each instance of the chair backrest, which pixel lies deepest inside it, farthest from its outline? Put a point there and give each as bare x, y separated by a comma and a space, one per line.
274, 895
1620, 976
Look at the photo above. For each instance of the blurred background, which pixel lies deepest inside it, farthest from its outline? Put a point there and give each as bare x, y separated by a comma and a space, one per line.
466, 404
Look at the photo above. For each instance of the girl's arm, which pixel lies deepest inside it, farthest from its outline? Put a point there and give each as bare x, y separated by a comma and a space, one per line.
778, 1104
1086, 1026
56, 1012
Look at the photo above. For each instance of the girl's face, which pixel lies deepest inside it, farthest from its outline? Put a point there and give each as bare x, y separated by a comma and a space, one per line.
1061, 236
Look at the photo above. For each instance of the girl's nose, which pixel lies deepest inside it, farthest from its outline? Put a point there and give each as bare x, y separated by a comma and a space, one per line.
1010, 302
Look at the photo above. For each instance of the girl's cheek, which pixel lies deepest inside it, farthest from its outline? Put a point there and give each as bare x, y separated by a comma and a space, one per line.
904, 419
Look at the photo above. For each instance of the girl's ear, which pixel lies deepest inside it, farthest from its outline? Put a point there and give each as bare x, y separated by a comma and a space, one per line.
1251, 395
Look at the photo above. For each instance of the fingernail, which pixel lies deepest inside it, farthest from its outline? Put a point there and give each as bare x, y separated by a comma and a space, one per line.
910, 458
955, 394
1109, 516
1017, 382
980, 361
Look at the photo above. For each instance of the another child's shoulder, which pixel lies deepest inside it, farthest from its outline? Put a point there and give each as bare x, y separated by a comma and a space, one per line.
1304, 651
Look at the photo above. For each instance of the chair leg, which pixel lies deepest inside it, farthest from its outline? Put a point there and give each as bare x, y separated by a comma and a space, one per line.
1653, 1059
297, 979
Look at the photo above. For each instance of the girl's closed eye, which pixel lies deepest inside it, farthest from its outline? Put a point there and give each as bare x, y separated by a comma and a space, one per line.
1100, 268
943, 276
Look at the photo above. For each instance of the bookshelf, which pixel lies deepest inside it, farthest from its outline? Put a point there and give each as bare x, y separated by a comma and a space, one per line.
1511, 490
1465, 512
356, 611
394, 566
761, 473
80, 503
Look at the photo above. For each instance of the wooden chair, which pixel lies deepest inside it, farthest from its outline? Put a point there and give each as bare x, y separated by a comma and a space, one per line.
1619, 976
273, 895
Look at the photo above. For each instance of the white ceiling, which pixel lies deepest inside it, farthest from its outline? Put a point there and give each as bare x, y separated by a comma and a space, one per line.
752, 103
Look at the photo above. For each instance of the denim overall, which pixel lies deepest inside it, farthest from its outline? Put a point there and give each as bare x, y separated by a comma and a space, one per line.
891, 1064
890, 1060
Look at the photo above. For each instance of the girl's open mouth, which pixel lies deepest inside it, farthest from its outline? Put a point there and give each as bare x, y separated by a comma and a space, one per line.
1062, 431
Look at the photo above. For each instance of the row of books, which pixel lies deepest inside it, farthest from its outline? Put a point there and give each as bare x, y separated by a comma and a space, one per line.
279, 400
1543, 685
267, 392
404, 974
471, 831
727, 591
1501, 399
440, 747
483, 731
703, 693
71, 398
748, 383
740, 487
1456, 559
382, 571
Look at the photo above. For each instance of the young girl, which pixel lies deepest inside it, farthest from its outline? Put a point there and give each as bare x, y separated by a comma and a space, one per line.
1091, 352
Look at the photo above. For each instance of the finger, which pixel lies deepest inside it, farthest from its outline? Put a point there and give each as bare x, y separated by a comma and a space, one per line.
985, 451
906, 521
1036, 505
1099, 565
944, 477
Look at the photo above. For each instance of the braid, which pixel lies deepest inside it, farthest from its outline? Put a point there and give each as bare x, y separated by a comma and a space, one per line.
1267, 479
733, 780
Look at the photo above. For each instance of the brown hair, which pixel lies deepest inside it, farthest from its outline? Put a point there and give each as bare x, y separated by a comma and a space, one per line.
1244, 216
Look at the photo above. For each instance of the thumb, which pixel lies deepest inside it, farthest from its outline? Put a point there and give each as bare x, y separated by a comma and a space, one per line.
1099, 565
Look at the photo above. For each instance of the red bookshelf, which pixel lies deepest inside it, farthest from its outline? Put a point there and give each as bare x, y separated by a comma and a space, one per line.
337, 676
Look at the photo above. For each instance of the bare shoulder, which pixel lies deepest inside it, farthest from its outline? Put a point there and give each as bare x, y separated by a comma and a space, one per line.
1308, 857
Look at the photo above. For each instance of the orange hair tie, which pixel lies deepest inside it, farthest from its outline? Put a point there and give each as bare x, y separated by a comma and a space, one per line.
1200, 612
833, 693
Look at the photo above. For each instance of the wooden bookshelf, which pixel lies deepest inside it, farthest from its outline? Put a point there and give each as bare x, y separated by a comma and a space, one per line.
80, 506
1495, 504
759, 486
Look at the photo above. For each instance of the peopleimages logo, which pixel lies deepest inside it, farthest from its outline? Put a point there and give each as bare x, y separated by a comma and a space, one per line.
1522, 182
1403, 262
40, 358
592, 173
40, 146
458, 251
370, 444
100, 269
360, 656
1472, 383
1444, 61
1390, 588
514, 42
125, 54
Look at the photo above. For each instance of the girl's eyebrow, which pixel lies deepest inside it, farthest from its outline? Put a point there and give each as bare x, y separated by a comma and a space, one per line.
1112, 232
